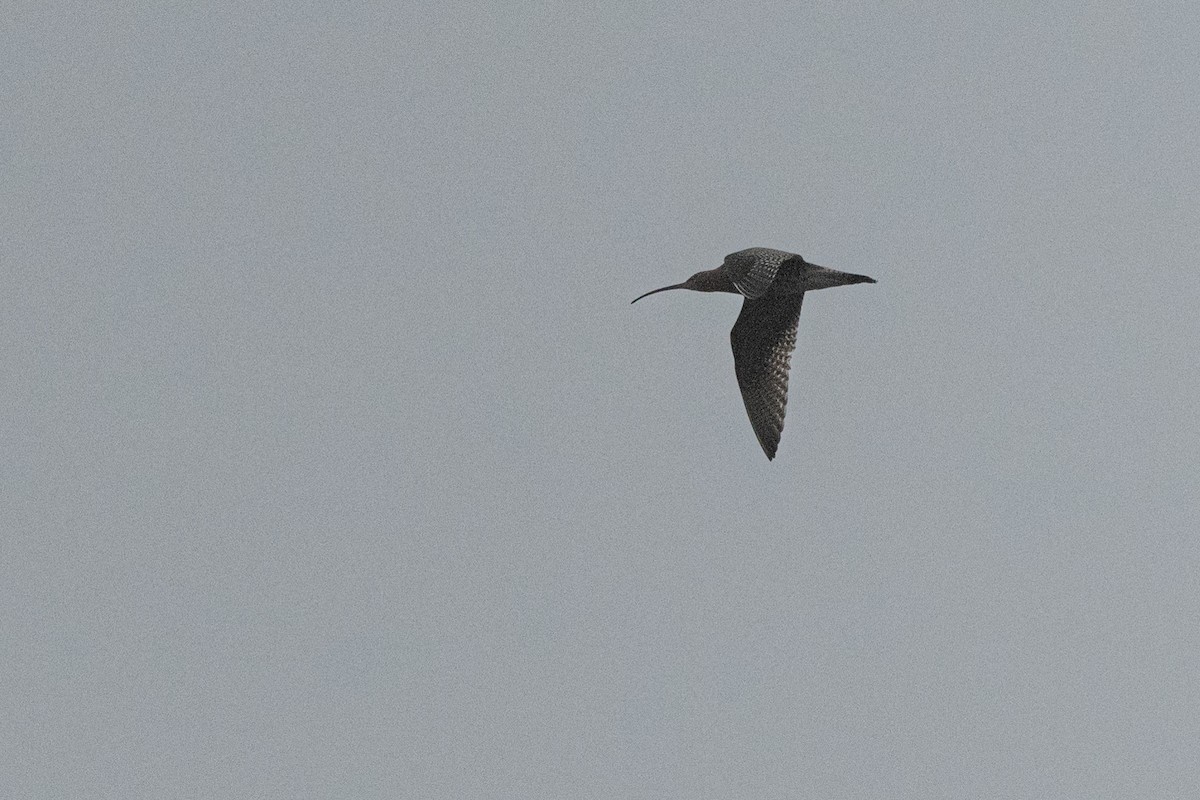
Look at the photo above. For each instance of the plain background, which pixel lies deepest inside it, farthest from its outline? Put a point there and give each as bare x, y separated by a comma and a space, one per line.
337, 464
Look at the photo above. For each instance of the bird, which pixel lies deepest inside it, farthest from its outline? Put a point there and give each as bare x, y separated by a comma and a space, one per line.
773, 283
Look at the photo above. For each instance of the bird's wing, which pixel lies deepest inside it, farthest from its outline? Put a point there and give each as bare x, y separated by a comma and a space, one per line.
753, 271
763, 339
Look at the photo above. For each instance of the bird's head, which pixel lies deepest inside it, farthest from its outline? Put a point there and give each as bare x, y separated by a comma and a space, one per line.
710, 280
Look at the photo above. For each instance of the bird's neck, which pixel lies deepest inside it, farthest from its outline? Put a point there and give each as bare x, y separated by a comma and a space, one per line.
712, 280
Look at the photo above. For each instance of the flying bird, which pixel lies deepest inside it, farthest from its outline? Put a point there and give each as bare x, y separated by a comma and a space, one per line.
764, 336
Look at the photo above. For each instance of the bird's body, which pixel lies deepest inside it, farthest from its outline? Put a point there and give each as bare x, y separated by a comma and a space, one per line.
773, 283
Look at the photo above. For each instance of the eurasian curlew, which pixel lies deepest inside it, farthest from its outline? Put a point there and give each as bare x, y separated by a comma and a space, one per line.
773, 283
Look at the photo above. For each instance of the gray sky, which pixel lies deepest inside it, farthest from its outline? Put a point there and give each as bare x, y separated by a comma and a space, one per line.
337, 463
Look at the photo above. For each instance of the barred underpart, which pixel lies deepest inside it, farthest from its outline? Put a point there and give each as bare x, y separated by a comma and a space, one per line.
763, 339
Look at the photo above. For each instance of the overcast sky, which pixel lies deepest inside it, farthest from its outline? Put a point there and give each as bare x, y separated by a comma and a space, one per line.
336, 463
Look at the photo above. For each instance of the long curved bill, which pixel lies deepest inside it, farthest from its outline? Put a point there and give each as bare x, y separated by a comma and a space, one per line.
656, 291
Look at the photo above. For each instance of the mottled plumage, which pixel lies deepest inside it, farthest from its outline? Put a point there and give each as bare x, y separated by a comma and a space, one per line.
763, 339
764, 336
